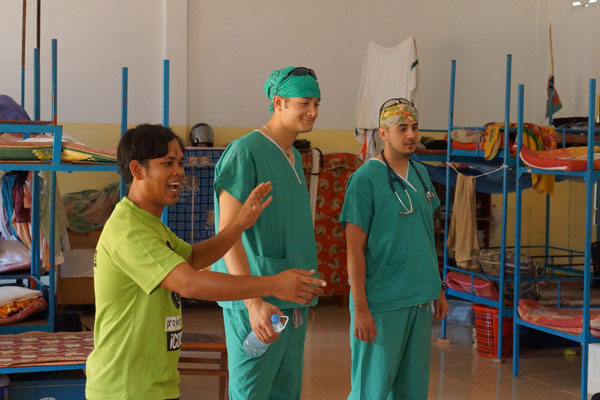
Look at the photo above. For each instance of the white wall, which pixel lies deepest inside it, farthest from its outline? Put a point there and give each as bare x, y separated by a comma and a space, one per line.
222, 52
234, 45
95, 40
576, 40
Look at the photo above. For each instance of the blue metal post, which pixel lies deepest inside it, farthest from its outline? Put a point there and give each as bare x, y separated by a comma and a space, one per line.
166, 73
448, 158
585, 333
52, 258
35, 224
54, 81
518, 207
504, 205
124, 101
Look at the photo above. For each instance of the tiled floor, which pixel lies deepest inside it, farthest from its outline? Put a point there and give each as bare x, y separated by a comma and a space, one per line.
457, 372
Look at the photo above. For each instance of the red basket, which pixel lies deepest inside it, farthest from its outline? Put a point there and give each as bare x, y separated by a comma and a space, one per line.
486, 326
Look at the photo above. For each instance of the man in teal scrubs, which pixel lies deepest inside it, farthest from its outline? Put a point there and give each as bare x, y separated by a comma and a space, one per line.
281, 238
141, 268
392, 264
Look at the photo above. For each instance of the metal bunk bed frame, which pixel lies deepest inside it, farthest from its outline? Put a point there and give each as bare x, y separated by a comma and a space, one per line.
54, 166
590, 176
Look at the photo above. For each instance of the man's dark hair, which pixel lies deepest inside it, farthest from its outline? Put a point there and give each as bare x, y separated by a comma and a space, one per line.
143, 143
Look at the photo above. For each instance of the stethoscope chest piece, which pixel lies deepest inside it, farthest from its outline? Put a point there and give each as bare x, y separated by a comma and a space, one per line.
429, 195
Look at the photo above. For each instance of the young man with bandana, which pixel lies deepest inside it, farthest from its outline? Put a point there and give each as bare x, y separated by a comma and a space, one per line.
141, 268
281, 238
392, 264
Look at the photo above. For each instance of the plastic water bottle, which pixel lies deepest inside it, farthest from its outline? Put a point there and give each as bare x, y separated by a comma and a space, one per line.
253, 346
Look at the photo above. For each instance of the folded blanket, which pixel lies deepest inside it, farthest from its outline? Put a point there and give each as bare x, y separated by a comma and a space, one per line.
18, 303
40, 149
561, 319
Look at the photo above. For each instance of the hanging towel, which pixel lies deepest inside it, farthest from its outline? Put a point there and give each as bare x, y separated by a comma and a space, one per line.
388, 72
462, 236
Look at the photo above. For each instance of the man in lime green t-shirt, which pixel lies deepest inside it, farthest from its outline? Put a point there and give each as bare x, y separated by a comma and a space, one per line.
392, 264
142, 268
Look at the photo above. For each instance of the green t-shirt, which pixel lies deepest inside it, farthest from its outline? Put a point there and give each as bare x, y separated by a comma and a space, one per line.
137, 331
401, 260
283, 236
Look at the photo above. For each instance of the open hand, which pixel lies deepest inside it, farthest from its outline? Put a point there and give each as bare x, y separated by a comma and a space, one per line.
298, 286
254, 205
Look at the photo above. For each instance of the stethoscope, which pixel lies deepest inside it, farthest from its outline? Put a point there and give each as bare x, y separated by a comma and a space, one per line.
392, 176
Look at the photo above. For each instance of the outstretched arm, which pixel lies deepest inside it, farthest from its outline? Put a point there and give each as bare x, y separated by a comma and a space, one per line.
292, 285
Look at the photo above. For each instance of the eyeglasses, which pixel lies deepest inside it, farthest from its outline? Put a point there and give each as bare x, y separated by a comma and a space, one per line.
298, 71
391, 102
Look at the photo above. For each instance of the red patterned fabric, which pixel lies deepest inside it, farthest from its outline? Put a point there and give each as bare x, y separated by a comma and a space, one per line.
38, 348
562, 319
329, 233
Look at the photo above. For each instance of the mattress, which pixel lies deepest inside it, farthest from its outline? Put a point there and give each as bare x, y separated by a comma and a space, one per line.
38, 348
566, 320
565, 159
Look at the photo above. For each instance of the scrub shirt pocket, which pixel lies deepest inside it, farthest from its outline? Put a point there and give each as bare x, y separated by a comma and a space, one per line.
270, 266
386, 281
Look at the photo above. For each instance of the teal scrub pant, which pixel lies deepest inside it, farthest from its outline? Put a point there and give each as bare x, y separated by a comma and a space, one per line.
275, 375
396, 365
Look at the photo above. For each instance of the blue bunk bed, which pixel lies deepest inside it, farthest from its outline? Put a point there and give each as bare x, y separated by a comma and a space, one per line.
590, 176
555, 260
503, 161
35, 277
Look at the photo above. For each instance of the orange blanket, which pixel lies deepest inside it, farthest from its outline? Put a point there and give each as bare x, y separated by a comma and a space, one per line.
561, 319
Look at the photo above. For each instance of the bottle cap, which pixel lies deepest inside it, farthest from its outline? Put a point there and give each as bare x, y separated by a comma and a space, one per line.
275, 318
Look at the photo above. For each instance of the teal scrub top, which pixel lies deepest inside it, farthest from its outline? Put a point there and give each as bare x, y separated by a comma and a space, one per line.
401, 260
283, 236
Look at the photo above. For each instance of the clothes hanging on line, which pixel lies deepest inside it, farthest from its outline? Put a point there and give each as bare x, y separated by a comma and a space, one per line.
388, 72
462, 235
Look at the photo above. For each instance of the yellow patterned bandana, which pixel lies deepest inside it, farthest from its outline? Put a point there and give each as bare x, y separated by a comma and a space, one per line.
397, 114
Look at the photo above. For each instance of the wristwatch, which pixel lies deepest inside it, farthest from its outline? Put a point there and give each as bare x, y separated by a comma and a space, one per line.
444, 286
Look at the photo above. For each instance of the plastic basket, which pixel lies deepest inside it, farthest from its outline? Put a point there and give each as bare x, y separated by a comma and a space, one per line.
489, 261
486, 326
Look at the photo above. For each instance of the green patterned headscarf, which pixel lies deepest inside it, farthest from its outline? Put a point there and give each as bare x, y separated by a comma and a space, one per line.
397, 114
292, 86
